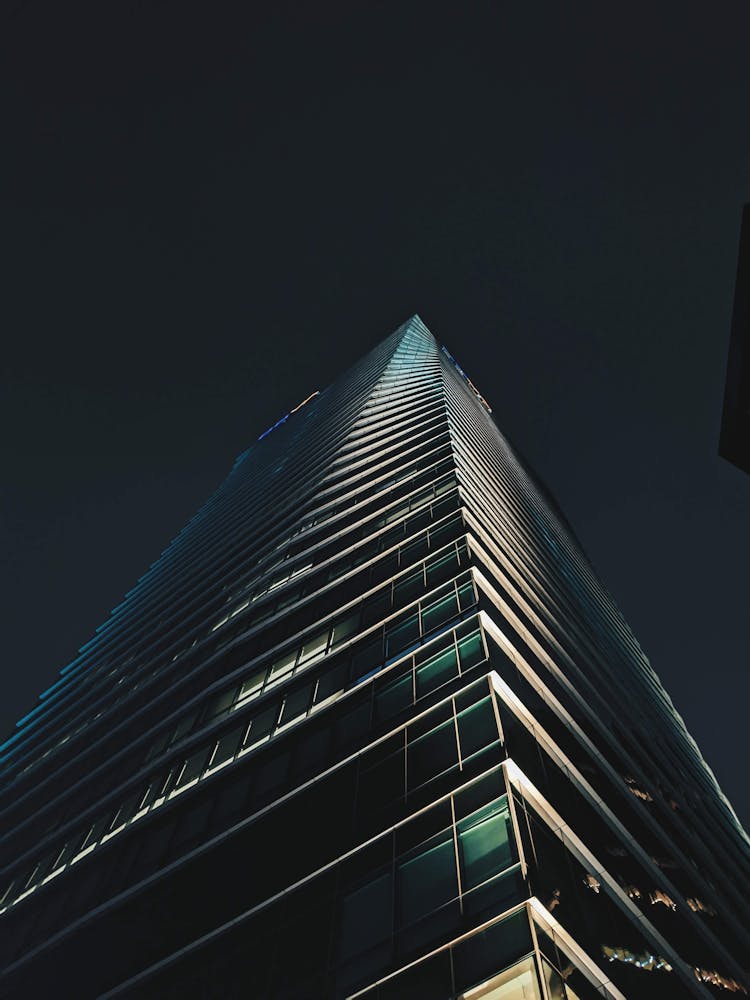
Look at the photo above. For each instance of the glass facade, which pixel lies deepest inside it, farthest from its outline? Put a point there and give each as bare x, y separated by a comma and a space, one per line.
369, 727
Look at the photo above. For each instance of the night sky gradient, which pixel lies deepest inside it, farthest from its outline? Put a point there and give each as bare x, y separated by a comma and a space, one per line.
211, 209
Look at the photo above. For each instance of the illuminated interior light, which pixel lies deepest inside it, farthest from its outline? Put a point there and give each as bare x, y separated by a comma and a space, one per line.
592, 883
638, 792
657, 896
716, 979
645, 960
698, 906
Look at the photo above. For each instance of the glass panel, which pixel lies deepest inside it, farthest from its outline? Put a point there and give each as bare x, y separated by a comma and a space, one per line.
439, 612
554, 982
478, 957
227, 746
442, 569
436, 671
367, 658
94, 832
477, 728
193, 767
471, 650
296, 705
394, 697
345, 628
396, 513
184, 726
408, 589
282, 666
376, 608
426, 881
219, 702
332, 682
403, 635
517, 983
6, 895
251, 686
432, 754
485, 842
440, 535
466, 596
412, 551
261, 727
125, 811
366, 916
314, 648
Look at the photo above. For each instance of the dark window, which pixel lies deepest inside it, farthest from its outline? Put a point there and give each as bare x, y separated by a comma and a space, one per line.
366, 916
427, 883
402, 635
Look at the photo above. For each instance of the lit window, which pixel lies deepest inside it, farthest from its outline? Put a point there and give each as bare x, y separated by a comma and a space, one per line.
283, 666
314, 648
518, 983
250, 687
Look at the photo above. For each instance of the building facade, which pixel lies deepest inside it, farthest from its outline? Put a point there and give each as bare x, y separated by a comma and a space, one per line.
369, 727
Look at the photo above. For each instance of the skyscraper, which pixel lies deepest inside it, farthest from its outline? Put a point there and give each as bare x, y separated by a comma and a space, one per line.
369, 727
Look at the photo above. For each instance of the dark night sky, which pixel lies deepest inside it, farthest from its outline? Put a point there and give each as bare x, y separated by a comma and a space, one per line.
209, 211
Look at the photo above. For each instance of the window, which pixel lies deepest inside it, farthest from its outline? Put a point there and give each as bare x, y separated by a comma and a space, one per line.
477, 728
471, 650
219, 703
394, 697
314, 647
441, 611
436, 670
376, 608
366, 916
408, 588
517, 983
227, 747
432, 754
296, 705
261, 727
426, 880
251, 687
184, 726
282, 667
192, 768
402, 635
485, 843
345, 628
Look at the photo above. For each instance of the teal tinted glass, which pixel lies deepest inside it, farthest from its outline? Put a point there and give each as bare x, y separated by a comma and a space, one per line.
439, 612
471, 650
426, 881
485, 841
403, 635
436, 671
477, 728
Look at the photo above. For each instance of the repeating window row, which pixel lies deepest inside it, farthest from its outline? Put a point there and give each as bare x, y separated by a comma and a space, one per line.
459, 651
426, 506
368, 655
